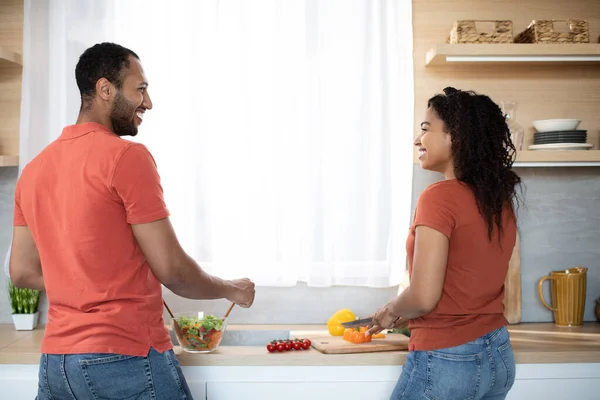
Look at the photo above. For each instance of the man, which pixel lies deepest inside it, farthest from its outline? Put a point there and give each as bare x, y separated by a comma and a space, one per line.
92, 229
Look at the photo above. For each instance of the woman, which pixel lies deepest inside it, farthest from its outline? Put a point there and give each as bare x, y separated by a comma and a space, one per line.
459, 246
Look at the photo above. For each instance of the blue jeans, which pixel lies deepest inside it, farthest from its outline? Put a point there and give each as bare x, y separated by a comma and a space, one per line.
481, 369
111, 376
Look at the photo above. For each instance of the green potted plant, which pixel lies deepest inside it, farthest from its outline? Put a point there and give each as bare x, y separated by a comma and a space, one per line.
24, 304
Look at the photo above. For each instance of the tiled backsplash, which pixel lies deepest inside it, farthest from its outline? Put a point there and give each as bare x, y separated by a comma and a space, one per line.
559, 225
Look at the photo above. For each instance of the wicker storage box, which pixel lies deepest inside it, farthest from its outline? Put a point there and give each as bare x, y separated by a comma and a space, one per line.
465, 31
542, 31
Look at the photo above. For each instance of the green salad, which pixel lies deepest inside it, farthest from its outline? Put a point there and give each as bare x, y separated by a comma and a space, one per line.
200, 333
194, 324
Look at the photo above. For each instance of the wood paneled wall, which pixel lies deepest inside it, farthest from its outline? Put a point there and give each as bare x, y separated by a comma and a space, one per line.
11, 37
542, 91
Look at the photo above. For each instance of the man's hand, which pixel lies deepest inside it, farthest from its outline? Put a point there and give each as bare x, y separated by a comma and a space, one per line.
242, 292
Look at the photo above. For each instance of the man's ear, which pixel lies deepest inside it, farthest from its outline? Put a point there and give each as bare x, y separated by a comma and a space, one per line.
104, 89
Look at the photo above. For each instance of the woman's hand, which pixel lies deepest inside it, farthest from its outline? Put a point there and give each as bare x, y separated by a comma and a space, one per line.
401, 323
384, 319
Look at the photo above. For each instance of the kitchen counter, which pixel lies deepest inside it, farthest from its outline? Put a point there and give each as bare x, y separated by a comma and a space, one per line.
533, 343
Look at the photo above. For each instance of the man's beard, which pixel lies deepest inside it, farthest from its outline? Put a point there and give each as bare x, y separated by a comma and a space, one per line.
121, 116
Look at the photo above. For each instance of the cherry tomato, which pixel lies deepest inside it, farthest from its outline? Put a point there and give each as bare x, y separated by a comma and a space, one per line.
280, 347
288, 345
305, 344
271, 347
297, 345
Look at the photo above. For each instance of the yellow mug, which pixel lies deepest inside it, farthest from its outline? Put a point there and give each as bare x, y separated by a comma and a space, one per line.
567, 291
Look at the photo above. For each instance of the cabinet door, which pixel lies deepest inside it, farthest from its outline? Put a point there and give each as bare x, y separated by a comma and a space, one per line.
559, 389
298, 390
18, 389
18, 381
197, 388
26, 388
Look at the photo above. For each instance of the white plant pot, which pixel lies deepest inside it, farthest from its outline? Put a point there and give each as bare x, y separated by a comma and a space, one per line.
25, 322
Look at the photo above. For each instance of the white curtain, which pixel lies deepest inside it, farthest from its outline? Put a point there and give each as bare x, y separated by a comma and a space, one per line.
282, 129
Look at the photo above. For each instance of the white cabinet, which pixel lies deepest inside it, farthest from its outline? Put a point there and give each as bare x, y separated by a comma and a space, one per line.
197, 387
18, 390
297, 382
579, 381
547, 389
298, 390
559, 389
18, 381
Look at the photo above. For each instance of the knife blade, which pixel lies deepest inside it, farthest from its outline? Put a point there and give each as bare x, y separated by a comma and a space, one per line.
357, 323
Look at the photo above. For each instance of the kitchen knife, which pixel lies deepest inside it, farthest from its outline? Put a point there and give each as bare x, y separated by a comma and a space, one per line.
357, 323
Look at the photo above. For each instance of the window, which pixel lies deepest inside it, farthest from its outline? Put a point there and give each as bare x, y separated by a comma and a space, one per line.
282, 130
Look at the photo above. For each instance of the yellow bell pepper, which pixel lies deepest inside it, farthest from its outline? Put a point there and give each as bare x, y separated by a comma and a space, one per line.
334, 324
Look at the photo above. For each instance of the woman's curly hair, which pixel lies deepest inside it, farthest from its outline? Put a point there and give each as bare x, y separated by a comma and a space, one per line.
482, 151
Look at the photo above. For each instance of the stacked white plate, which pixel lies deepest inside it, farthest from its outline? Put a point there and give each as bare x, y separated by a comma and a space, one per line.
559, 134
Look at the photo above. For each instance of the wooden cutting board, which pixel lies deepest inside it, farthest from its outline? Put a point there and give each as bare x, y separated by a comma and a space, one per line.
327, 344
512, 286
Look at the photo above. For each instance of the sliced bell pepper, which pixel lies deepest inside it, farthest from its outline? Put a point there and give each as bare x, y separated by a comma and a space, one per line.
347, 333
356, 335
359, 337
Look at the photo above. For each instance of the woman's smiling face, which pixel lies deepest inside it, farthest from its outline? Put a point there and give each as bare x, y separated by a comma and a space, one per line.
435, 145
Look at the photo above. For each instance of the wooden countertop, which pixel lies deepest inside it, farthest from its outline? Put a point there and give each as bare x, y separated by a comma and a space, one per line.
533, 343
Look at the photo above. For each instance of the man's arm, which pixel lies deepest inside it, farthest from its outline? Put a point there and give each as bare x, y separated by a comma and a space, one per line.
25, 267
179, 272
137, 183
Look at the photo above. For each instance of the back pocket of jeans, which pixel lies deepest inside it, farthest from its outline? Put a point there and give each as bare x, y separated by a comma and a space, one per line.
455, 376
508, 359
118, 377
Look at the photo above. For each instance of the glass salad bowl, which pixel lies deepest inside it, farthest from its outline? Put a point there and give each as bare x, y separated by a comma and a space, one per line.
198, 333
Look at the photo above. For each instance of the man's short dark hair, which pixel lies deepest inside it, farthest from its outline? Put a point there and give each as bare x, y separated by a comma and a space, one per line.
103, 60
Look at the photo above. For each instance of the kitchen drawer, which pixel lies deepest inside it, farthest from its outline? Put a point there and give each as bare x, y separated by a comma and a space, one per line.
298, 390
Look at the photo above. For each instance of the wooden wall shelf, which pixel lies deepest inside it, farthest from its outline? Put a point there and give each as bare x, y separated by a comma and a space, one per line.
445, 54
9, 161
573, 158
10, 57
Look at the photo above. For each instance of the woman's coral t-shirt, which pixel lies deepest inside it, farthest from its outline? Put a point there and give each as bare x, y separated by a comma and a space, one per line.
471, 304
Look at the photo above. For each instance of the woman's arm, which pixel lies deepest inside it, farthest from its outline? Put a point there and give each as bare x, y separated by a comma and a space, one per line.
428, 273
426, 283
